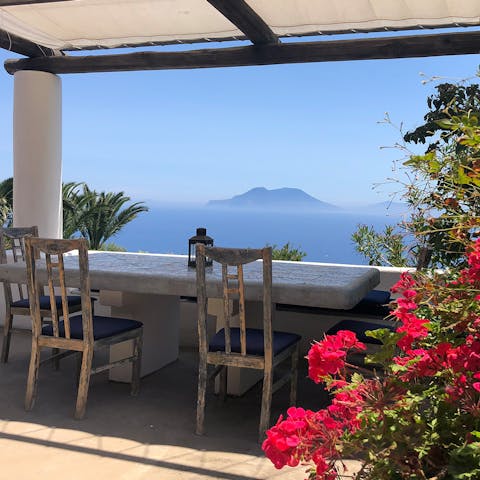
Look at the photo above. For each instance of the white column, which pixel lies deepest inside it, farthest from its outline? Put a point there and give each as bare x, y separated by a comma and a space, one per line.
37, 152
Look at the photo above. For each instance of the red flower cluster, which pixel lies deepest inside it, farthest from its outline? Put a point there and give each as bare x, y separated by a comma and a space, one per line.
464, 364
458, 365
328, 357
405, 283
476, 385
346, 405
448, 362
473, 272
302, 437
414, 328
305, 435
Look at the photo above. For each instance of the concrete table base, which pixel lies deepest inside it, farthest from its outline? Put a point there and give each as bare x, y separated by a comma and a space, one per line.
159, 315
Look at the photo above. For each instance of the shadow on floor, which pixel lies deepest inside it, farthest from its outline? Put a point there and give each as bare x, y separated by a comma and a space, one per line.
153, 432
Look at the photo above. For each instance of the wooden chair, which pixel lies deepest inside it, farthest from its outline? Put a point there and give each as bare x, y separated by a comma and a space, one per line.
16, 239
81, 333
242, 347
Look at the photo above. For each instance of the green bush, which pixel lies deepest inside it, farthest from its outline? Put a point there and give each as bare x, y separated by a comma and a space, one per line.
444, 189
112, 247
287, 252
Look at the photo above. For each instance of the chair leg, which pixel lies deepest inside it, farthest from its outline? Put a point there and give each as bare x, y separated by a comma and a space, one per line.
84, 383
7, 335
266, 403
202, 386
137, 363
32, 376
294, 376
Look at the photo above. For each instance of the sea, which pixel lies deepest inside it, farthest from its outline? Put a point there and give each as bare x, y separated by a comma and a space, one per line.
325, 236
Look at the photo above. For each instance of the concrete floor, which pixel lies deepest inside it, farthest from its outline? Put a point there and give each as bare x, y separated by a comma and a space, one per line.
146, 437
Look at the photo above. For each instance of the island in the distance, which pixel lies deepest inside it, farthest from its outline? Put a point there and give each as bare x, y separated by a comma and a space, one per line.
280, 198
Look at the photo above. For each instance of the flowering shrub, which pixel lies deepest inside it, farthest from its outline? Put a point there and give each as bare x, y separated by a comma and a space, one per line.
419, 419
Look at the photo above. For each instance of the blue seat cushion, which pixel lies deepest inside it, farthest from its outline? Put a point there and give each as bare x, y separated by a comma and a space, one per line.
359, 328
103, 327
73, 300
374, 303
380, 297
280, 340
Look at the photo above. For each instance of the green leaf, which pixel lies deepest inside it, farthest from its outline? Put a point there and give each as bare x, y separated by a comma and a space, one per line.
463, 177
446, 123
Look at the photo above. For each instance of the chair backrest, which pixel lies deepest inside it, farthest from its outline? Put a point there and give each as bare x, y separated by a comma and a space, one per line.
51, 252
233, 288
14, 239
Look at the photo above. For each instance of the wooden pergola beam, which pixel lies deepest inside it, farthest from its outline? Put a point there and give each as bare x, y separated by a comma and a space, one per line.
247, 20
14, 3
20, 45
304, 52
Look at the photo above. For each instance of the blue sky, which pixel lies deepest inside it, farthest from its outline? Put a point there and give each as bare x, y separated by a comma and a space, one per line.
194, 135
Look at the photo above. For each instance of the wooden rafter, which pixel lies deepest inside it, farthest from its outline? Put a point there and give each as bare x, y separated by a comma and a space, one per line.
16, 44
305, 52
247, 20
14, 3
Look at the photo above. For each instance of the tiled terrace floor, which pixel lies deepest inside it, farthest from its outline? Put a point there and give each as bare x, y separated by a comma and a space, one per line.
123, 437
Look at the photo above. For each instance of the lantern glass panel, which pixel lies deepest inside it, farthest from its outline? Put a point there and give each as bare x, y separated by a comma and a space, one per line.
200, 237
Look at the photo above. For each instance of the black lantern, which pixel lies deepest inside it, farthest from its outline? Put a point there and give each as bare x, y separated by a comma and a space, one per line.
200, 237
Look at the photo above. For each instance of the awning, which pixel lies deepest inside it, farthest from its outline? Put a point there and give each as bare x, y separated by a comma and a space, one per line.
87, 24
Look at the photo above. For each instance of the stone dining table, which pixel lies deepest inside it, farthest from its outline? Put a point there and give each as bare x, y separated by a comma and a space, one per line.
148, 287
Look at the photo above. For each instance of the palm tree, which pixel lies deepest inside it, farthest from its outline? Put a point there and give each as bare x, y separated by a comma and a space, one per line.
4, 212
6, 201
95, 216
72, 206
100, 215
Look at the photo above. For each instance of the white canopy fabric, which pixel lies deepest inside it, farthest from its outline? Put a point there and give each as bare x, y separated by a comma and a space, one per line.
86, 24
